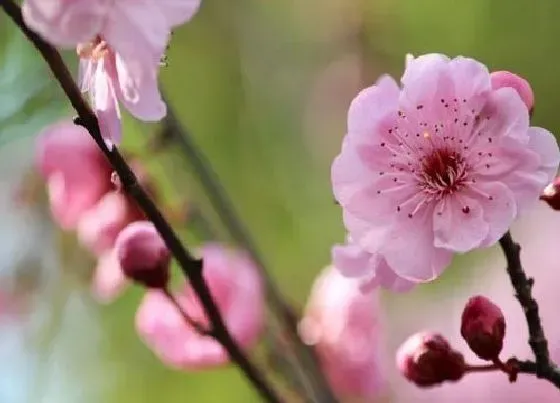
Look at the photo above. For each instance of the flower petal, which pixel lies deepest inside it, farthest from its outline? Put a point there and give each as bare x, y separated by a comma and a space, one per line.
459, 224
177, 12
106, 106
545, 145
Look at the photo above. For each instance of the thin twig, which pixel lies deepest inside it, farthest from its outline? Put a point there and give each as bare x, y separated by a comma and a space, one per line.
218, 197
188, 319
191, 267
523, 285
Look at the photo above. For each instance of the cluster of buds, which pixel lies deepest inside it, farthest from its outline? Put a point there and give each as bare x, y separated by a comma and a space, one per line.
428, 359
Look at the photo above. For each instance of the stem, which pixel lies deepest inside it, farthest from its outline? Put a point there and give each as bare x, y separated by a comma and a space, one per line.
190, 321
191, 267
523, 285
523, 292
223, 206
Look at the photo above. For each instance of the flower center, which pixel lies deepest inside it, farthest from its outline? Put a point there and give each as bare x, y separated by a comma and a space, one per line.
443, 172
94, 50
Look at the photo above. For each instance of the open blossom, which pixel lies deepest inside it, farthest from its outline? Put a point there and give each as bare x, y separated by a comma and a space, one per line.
120, 44
77, 173
237, 289
344, 326
442, 164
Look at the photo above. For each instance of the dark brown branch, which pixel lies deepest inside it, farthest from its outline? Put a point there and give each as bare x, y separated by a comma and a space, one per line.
191, 267
218, 197
523, 285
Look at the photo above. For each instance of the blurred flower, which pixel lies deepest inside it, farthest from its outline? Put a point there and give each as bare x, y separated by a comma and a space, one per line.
503, 79
99, 227
427, 359
121, 44
442, 165
237, 289
343, 325
483, 327
76, 172
143, 255
108, 280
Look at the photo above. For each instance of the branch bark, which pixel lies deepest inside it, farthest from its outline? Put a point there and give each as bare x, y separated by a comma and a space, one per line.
311, 373
191, 267
543, 367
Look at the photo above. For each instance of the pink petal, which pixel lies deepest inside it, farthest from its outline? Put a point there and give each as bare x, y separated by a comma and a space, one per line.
370, 106
410, 252
86, 71
351, 260
545, 145
109, 280
177, 12
76, 172
470, 77
137, 30
499, 206
99, 227
138, 88
66, 22
459, 223
106, 106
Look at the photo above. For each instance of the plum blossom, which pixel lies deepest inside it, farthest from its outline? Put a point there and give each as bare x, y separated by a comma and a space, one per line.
442, 164
76, 172
238, 291
344, 326
120, 43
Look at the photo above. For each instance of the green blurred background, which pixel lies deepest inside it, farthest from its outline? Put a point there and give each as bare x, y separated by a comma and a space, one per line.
264, 87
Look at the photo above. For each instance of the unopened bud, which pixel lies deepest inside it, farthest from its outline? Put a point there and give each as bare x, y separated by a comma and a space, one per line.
551, 194
427, 359
142, 255
501, 79
483, 327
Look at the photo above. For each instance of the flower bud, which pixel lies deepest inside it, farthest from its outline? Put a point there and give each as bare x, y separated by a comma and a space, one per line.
551, 194
483, 327
427, 359
501, 79
142, 255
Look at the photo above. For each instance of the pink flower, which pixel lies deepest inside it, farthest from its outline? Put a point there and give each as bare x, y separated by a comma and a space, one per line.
76, 172
237, 289
343, 324
121, 45
442, 165
143, 255
99, 227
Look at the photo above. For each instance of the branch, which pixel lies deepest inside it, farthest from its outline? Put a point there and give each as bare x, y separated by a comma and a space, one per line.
191, 267
523, 285
222, 204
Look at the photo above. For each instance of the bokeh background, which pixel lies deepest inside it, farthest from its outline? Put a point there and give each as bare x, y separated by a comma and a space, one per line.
263, 86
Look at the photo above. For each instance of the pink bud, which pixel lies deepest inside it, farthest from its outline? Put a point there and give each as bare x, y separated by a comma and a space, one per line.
551, 194
142, 255
427, 359
483, 327
501, 79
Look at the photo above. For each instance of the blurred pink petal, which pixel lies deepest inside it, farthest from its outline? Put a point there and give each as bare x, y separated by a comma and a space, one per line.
237, 289
76, 172
99, 227
344, 326
108, 280
443, 164
143, 255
